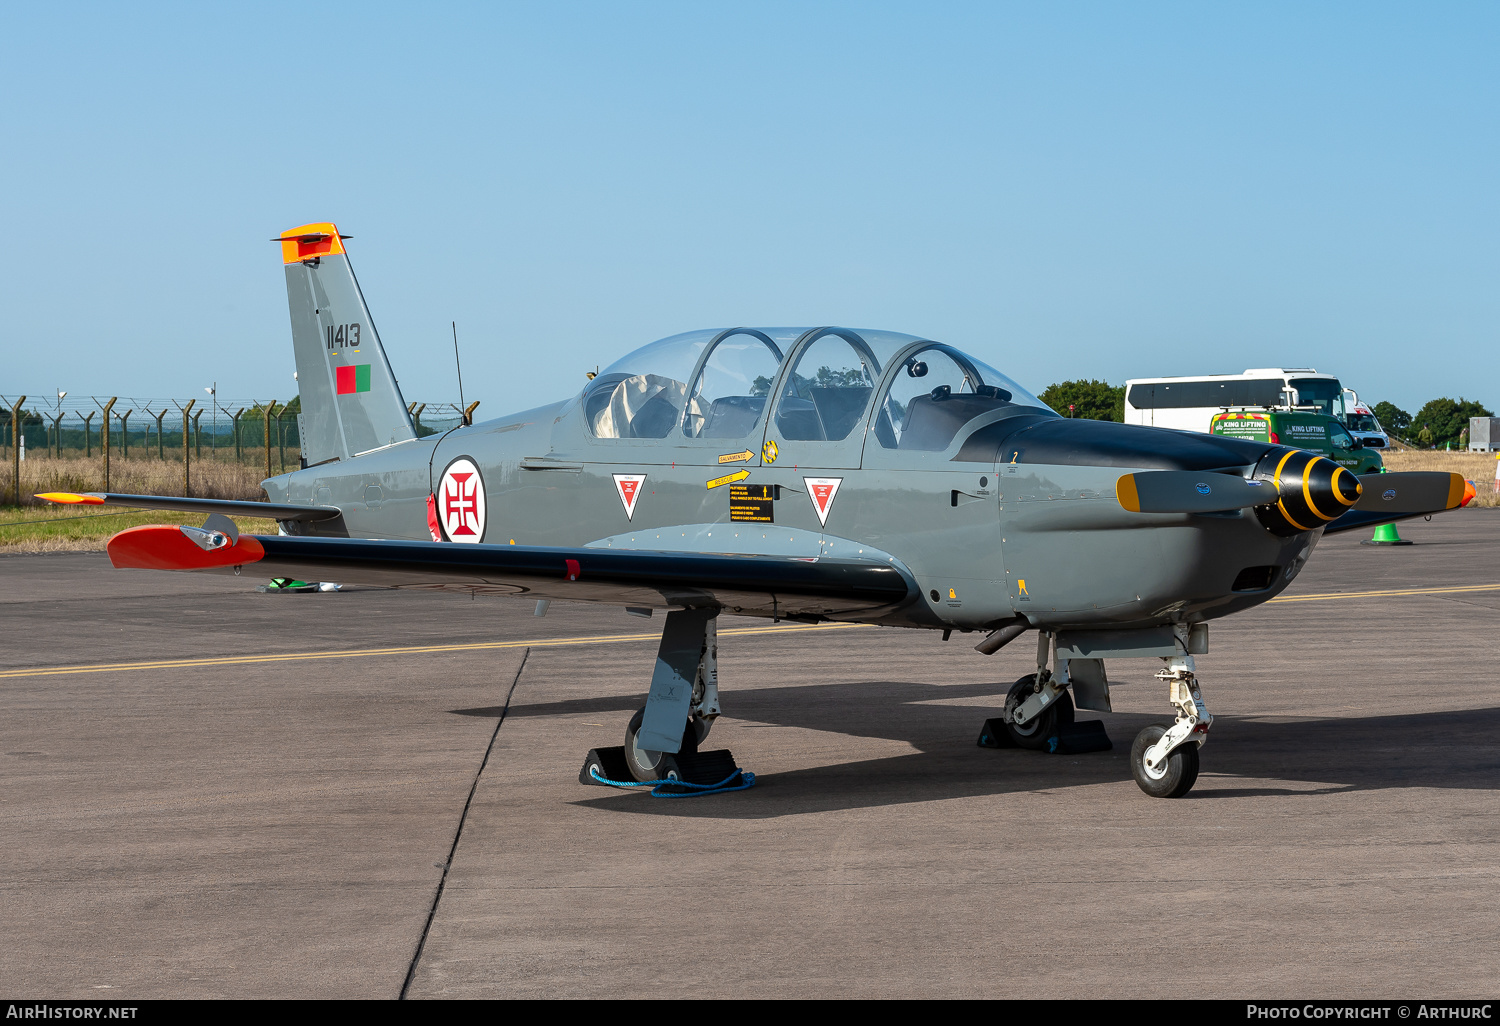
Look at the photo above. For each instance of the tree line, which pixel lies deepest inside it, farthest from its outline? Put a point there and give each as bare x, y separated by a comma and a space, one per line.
1438, 424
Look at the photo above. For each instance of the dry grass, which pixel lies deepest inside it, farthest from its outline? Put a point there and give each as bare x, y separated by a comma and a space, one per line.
1478, 467
87, 528
211, 479
65, 529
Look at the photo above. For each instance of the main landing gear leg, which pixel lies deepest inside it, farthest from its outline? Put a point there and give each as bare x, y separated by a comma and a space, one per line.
1038, 703
1165, 759
684, 697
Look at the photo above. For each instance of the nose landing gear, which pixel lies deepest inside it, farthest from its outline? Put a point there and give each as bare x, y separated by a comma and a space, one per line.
1164, 760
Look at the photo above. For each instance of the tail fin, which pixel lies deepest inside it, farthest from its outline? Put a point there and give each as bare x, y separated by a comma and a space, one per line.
350, 400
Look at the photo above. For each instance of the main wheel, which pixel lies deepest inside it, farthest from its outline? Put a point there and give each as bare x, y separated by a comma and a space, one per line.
1035, 734
646, 764
1172, 779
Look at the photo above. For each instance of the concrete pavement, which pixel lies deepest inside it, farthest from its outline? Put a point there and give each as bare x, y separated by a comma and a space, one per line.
269, 828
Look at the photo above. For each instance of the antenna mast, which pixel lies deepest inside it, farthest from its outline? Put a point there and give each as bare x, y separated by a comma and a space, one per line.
459, 367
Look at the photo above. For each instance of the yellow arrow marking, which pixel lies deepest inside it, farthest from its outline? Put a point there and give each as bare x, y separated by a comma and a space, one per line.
737, 457
738, 475
483, 646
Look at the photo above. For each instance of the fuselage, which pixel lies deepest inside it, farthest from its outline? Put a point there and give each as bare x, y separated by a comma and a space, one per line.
1014, 515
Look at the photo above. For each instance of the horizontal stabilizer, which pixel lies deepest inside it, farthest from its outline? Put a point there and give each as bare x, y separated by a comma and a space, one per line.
181, 504
1185, 491
175, 548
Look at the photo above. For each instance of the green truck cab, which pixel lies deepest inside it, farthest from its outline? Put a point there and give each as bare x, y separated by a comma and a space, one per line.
1314, 432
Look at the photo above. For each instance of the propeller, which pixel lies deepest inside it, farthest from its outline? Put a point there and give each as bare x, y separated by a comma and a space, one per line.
1412, 491
1187, 491
1291, 491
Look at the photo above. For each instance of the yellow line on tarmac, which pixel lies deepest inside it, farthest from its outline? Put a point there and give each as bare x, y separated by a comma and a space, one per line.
1392, 593
602, 639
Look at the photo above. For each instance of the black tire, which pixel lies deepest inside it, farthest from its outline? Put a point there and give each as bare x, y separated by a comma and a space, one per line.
1181, 770
647, 765
1036, 734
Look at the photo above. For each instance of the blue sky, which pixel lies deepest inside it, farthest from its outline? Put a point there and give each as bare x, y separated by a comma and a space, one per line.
1066, 189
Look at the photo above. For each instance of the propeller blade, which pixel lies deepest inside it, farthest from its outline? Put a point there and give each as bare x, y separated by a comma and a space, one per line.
1186, 491
1414, 491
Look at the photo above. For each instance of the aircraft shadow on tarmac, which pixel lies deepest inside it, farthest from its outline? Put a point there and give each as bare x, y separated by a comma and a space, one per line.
1454, 749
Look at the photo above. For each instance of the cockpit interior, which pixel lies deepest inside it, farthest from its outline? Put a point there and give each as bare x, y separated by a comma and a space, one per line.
820, 385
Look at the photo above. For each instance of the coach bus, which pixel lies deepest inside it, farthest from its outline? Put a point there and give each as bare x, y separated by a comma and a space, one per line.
1189, 404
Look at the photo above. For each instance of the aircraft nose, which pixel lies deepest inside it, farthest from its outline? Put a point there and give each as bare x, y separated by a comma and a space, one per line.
1313, 490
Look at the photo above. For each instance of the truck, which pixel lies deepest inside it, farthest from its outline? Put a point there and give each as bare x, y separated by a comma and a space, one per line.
1302, 429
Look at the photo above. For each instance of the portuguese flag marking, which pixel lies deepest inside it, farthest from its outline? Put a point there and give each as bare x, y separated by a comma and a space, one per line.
353, 379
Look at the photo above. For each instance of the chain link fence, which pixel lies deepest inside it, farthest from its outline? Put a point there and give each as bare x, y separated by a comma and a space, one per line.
62, 442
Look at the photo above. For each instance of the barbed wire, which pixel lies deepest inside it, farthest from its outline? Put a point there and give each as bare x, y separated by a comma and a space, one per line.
49, 405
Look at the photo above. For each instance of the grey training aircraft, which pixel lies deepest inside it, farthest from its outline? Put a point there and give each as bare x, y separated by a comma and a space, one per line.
799, 474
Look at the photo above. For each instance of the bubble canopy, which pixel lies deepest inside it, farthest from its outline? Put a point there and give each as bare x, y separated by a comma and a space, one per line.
715, 383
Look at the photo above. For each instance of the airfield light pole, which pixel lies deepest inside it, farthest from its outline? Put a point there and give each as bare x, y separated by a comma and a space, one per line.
213, 438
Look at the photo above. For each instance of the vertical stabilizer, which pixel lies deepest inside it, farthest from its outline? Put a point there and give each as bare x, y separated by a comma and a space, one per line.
350, 401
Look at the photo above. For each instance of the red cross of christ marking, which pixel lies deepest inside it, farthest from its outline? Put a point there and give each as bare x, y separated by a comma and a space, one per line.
461, 504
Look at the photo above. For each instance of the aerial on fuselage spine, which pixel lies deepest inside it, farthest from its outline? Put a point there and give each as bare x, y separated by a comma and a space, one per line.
793, 473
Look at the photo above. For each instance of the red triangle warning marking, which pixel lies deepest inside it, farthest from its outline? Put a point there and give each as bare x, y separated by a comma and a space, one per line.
629, 487
822, 490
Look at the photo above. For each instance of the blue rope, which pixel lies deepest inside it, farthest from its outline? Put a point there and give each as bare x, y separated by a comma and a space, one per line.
694, 790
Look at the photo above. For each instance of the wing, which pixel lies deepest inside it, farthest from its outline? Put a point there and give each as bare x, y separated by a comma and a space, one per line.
228, 507
750, 584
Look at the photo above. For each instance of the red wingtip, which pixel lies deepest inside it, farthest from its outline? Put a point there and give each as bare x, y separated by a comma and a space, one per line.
159, 547
1469, 493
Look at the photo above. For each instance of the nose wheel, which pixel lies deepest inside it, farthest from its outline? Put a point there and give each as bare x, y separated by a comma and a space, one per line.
1171, 777
1164, 760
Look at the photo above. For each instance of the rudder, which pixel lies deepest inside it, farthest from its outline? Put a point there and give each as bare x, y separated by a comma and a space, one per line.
350, 400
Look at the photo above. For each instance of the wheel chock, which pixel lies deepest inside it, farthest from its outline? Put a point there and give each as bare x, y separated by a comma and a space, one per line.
698, 773
994, 735
1073, 739
706, 767
609, 763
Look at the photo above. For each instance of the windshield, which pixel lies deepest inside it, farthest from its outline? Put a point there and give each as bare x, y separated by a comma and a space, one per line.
1362, 422
936, 392
1322, 393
